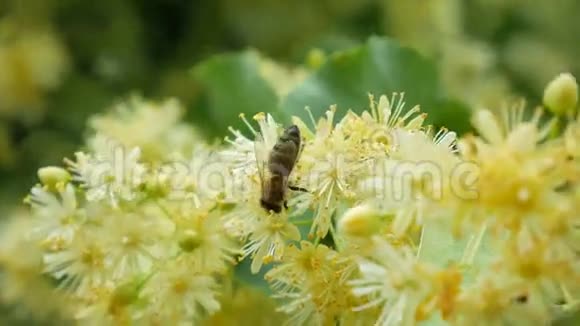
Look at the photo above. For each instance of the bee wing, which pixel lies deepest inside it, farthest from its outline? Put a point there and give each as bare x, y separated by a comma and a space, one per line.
261, 151
299, 150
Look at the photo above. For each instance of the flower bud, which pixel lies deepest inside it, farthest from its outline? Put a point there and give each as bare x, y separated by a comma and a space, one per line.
157, 185
487, 125
189, 241
315, 58
125, 294
51, 176
360, 221
561, 94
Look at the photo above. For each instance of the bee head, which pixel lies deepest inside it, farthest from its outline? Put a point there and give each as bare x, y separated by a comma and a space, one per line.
292, 133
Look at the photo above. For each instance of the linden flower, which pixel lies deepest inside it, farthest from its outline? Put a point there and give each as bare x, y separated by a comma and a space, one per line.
178, 294
312, 281
268, 239
548, 266
512, 131
245, 305
395, 280
21, 279
188, 180
336, 157
518, 173
500, 300
131, 242
200, 236
206, 177
82, 264
57, 215
110, 172
300, 264
328, 168
415, 178
101, 306
153, 127
372, 131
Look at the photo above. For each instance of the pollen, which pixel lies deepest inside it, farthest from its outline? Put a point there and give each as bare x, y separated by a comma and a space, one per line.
524, 195
260, 116
503, 184
268, 259
450, 283
54, 244
180, 286
92, 256
130, 240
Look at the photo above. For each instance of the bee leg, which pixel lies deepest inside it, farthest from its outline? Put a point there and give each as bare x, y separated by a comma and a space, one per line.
286, 204
298, 189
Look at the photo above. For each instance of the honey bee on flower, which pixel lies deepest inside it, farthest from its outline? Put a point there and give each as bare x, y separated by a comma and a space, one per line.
262, 166
352, 220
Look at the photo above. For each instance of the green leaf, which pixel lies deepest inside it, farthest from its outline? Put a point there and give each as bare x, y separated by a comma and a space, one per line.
231, 84
243, 274
381, 66
453, 114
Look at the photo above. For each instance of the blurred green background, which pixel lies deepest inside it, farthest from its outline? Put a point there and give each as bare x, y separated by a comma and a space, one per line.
62, 61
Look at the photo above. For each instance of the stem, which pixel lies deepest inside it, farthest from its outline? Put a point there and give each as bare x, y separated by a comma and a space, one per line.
421, 241
302, 222
164, 209
336, 238
316, 241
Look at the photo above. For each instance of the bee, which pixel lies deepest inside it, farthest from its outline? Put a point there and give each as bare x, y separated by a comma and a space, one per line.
275, 169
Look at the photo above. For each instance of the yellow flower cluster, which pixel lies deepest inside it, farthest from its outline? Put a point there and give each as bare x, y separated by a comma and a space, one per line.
33, 62
147, 225
125, 236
